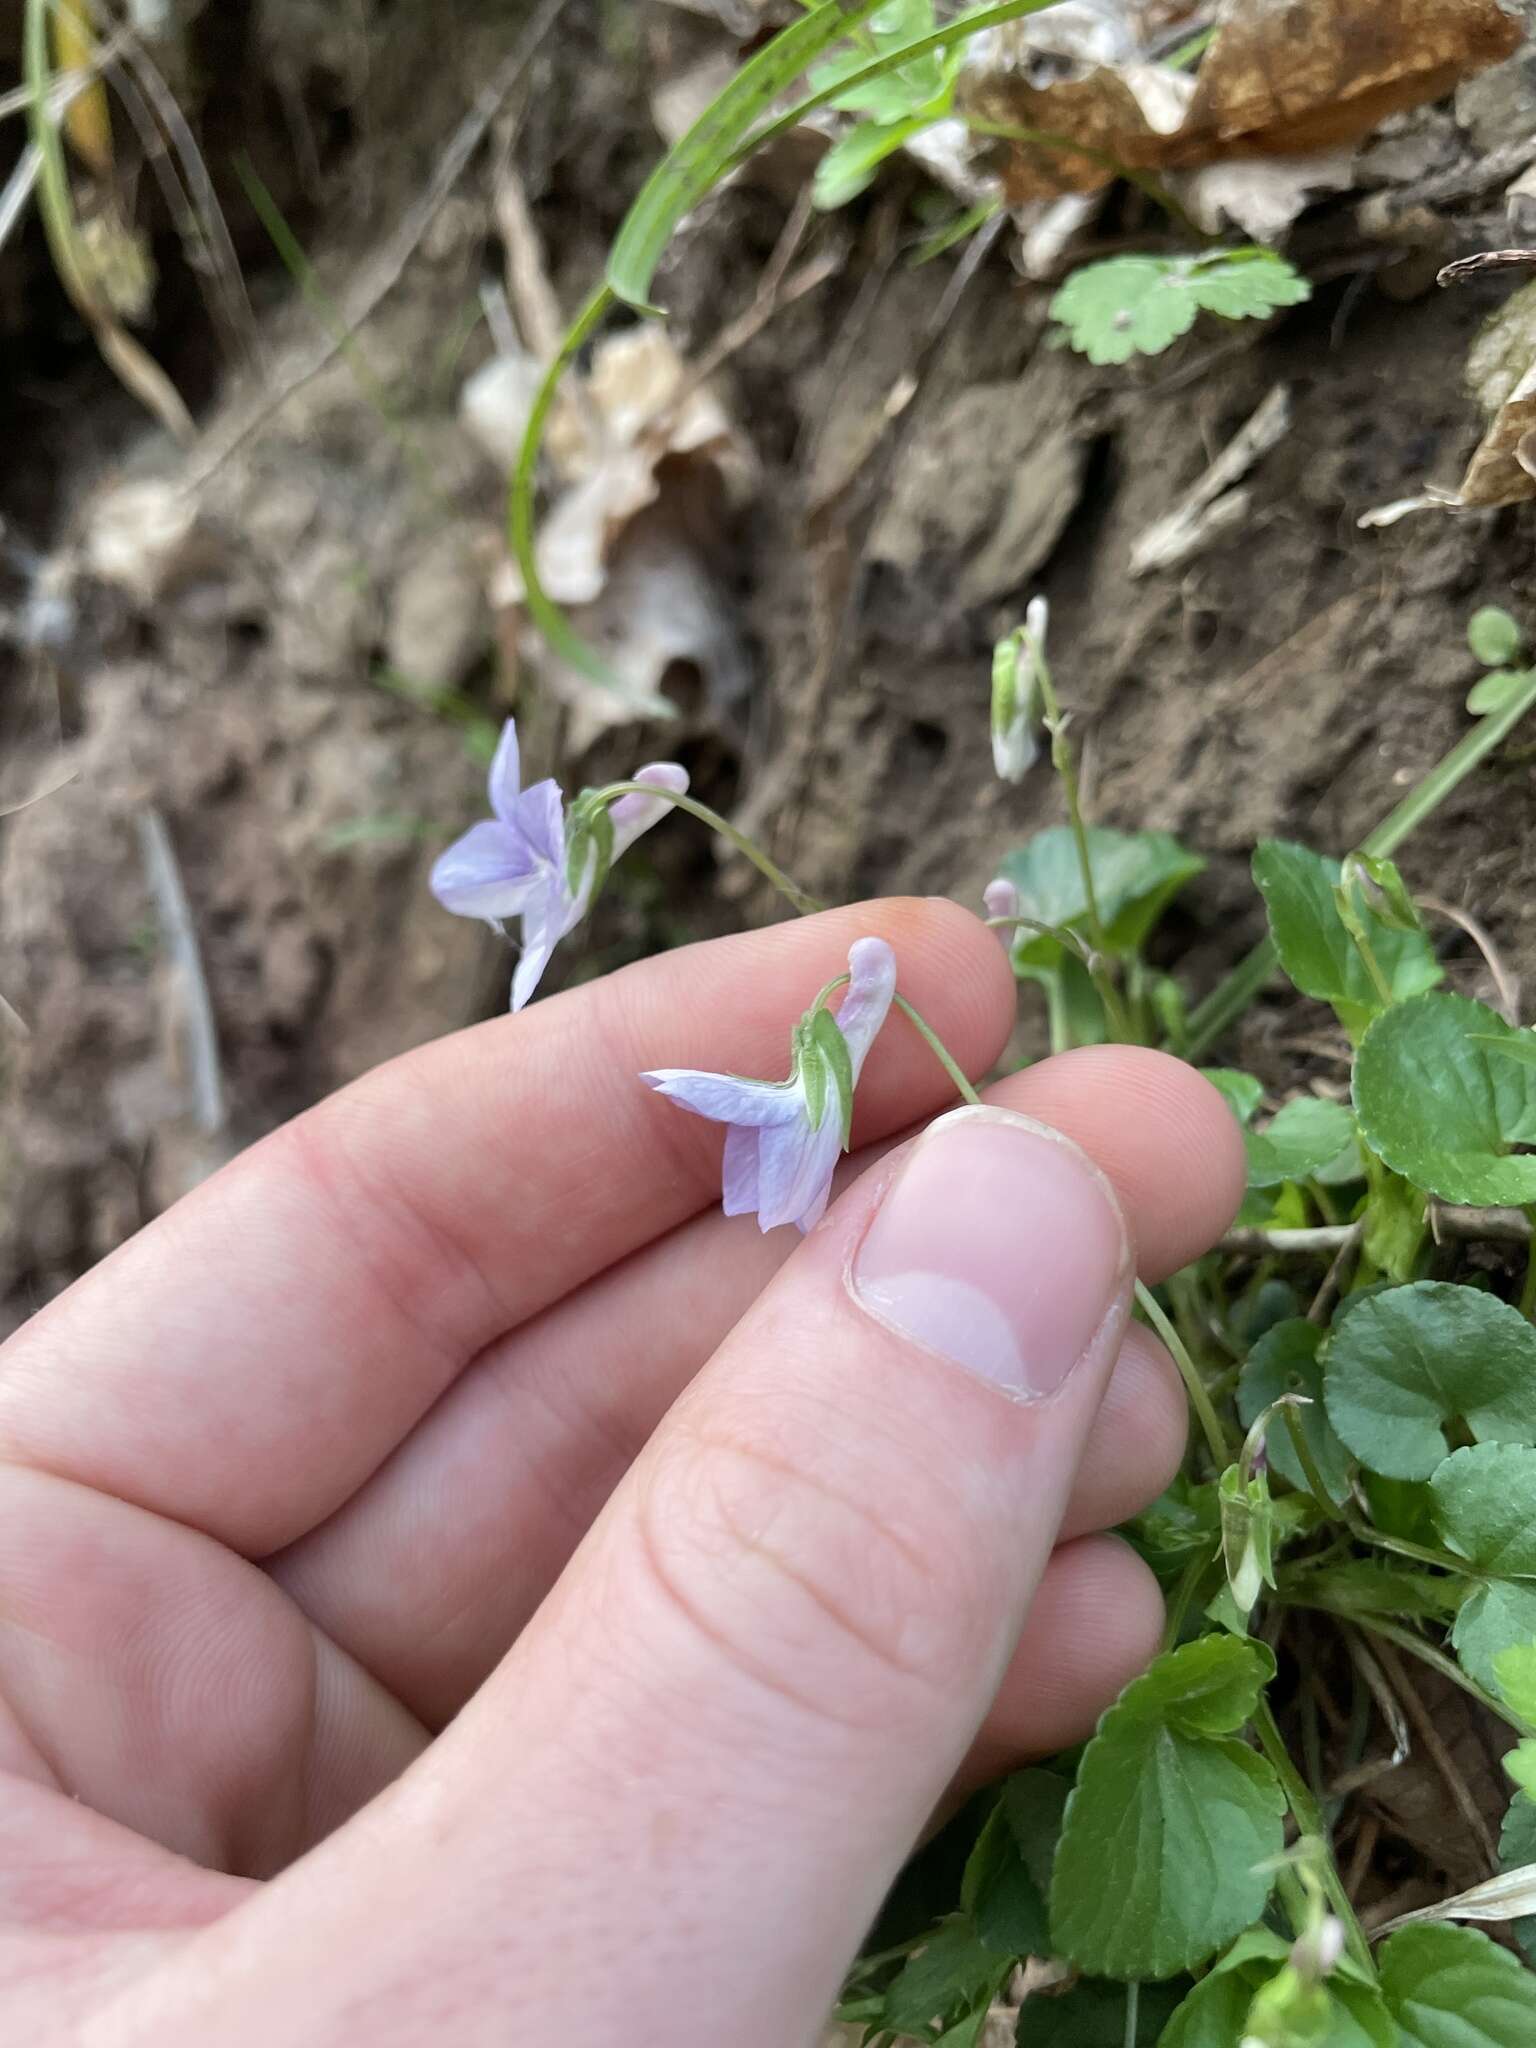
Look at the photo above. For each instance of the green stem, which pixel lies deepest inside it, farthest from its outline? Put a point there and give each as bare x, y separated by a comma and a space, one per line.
1308, 1816
1065, 764
1132, 2014
1227, 1002
1447, 1667
1442, 1560
1528, 1290
803, 901
1317, 1486
940, 1051
1183, 1594
1194, 1386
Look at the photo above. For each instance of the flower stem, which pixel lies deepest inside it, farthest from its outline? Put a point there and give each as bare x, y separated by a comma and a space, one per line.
1309, 1820
1194, 1385
791, 891
1227, 1002
940, 1051
1064, 761
1448, 1668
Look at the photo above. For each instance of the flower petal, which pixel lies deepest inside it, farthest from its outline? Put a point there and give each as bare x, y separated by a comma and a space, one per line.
728, 1099
541, 821
506, 777
795, 1169
1001, 898
633, 814
871, 987
488, 873
738, 1171
543, 925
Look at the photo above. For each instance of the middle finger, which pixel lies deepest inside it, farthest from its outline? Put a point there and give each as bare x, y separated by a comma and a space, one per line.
428, 1575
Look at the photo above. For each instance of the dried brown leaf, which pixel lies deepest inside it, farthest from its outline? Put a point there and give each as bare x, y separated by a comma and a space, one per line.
1285, 77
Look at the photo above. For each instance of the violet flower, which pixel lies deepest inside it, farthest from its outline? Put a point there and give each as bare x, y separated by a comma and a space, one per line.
536, 861
783, 1138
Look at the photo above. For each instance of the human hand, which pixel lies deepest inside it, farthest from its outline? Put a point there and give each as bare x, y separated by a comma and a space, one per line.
385, 1658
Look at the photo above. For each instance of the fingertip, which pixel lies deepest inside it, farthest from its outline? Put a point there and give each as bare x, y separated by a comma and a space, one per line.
1095, 1624
1159, 1130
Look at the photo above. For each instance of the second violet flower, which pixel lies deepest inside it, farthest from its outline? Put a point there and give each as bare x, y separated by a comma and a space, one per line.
540, 861
783, 1138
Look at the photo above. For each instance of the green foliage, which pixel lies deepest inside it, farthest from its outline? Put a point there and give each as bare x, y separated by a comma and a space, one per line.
1493, 636
1171, 1820
1229, 2004
1490, 1621
1303, 1138
1409, 1362
1136, 875
1316, 948
1451, 1987
1485, 1503
1517, 1850
1092, 2014
1439, 1101
1140, 305
1286, 1361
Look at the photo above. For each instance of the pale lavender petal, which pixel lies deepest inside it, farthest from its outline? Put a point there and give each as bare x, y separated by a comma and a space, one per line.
488, 873
633, 814
541, 820
542, 928
506, 778
871, 987
1001, 898
728, 1099
795, 1169
738, 1170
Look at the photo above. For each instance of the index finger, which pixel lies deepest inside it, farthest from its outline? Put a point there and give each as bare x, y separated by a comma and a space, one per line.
246, 1362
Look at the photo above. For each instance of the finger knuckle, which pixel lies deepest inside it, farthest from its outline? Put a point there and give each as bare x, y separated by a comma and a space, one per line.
812, 1583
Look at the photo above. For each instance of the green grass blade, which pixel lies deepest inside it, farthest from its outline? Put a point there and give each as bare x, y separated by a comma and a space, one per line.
696, 164
958, 30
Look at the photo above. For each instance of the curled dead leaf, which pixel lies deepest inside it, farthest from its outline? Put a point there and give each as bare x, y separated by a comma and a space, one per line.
1283, 79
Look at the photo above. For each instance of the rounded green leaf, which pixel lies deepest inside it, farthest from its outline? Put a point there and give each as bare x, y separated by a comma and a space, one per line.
1496, 692
1493, 1619
1517, 1848
1442, 1107
1317, 951
1242, 1093
1300, 1140
1172, 1821
1135, 876
1485, 1507
1493, 636
1451, 1987
1285, 1361
1411, 1359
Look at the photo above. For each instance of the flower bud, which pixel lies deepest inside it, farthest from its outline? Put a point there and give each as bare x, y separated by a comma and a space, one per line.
1016, 704
1001, 898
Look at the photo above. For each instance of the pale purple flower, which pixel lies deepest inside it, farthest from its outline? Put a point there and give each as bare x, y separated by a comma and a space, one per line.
1001, 898
519, 862
783, 1138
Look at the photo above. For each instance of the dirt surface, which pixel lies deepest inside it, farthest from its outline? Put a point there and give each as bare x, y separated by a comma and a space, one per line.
1295, 677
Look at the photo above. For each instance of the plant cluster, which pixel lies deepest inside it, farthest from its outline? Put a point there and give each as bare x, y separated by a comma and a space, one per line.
1360, 1356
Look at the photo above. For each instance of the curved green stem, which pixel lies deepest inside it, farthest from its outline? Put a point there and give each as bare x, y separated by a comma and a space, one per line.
791, 891
1448, 1668
1309, 1820
940, 1051
1189, 1372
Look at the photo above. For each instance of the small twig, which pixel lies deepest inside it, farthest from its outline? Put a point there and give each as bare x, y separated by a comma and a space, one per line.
180, 933
1447, 1220
13, 1020
1424, 1726
387, 266
1507, 984
528, 285
1334, 1278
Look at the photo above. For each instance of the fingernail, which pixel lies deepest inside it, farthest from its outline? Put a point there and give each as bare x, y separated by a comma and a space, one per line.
1000, 1246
